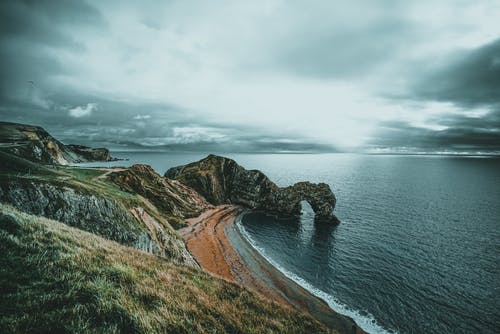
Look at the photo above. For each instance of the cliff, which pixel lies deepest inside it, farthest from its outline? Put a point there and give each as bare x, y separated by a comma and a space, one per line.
90, 153
35, 144
59, 279
89, 199
222, 181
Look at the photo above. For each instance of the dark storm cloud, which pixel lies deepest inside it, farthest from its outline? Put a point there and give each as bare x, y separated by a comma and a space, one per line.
469, 78
40, 22
30, 33
458, 133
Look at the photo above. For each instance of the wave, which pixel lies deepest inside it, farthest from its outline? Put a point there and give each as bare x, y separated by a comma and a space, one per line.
366, 321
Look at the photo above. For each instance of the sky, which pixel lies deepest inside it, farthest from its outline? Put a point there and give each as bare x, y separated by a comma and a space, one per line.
256, 76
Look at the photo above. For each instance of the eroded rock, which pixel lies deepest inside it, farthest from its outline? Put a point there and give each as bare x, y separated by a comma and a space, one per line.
222, 181
95, 213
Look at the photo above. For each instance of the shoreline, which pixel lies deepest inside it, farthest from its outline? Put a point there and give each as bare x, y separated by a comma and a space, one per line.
215, 242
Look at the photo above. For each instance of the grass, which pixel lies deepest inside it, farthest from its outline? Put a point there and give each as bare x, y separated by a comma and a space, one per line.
88, 183
54, 278
84, 180
81, 173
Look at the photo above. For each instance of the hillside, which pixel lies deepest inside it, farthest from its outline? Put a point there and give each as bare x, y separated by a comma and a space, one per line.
35, 144
135, 207
56, 278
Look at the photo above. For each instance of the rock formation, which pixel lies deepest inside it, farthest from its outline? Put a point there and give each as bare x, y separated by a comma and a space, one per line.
35, 144
222, 181
90, 153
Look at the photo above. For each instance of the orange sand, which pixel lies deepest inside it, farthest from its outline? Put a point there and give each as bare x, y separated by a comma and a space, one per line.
207, 242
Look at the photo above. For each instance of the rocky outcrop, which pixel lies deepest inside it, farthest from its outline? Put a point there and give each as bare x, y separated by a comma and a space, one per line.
35, 144
90, 153
222, 181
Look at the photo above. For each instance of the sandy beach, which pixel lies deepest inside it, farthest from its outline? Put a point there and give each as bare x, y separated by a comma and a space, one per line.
217, 245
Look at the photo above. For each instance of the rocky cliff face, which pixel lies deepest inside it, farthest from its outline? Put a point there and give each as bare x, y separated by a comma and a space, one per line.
90, 153
221, 180
92, 212
89, 200
35, 144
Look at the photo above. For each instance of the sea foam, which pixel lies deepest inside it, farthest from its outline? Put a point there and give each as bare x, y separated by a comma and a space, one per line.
366, 321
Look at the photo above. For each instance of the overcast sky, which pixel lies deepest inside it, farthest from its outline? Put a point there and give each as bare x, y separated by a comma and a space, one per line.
372, 76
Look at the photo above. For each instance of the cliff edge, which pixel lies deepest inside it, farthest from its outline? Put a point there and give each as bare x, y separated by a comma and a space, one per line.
35, 144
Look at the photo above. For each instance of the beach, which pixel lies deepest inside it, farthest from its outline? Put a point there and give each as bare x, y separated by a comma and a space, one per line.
217, 245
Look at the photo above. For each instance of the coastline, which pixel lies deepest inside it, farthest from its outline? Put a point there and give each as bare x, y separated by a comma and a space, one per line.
215, 242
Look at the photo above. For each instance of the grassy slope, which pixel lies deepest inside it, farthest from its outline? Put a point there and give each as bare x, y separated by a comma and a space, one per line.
55, 278
81, 179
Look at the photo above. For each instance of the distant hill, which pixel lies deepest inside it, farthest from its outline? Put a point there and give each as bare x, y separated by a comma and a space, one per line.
35, 144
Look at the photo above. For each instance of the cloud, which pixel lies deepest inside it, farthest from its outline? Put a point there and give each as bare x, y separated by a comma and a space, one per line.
141, 117
33, 33
260, 75
469, 78
83, 111
453, 133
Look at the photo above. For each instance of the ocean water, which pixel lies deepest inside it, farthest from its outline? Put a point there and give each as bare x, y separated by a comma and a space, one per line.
418, 249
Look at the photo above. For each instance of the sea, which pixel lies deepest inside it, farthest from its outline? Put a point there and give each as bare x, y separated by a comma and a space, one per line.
418, 246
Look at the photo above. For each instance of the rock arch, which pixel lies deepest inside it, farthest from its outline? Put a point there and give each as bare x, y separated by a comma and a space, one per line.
319, 196
222, 181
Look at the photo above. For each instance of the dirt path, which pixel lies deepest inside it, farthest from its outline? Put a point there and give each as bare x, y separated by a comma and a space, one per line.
107, 171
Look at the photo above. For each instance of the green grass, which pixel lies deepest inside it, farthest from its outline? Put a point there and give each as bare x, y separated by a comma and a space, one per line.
86, 181
81, 173
81, 179
54, 278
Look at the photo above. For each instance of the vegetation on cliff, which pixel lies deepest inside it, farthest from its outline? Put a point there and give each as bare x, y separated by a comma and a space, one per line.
88, 198
56, 278
171, 197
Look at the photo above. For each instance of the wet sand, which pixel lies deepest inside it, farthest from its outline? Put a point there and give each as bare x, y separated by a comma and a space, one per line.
217, 245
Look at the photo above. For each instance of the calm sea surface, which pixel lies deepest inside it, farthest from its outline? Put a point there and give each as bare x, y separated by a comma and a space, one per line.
418, 249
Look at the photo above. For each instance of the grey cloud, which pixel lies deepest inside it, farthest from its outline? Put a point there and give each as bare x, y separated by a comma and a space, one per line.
167, 128
340, 53
460, 133
77, 56
469, 78
42, 22
29, 31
